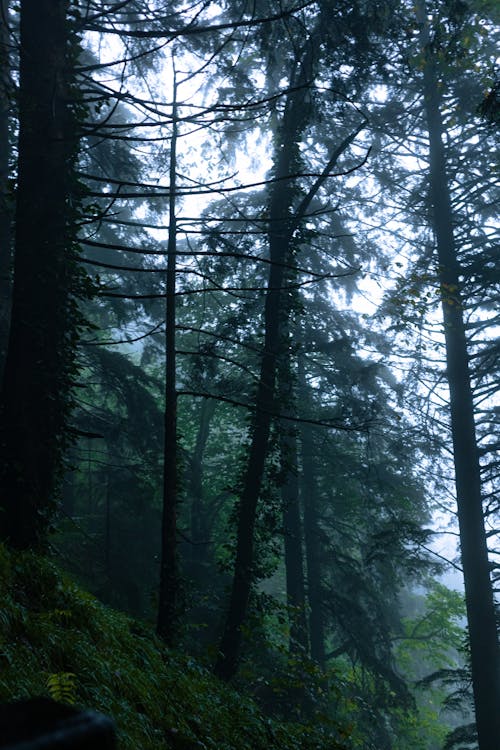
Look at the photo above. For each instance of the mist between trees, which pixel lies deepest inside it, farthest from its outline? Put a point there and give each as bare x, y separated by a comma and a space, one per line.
200, 419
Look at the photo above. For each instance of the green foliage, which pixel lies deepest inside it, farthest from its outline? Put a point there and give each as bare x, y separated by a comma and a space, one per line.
437, 633
106, 661
61, 687
432, 640
287, 684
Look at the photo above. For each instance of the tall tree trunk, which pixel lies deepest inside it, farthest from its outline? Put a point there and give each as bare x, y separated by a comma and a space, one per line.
308, 493
107, 534
484, 648
280, 231
169, 568
40, 357
283, 221
6, 200
199, 524
264, 403
290, 499
68, 495
294, 558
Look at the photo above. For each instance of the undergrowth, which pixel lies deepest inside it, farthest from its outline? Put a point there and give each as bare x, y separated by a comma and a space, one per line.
58, 640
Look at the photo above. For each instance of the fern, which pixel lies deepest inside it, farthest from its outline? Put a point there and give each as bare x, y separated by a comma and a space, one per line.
62, 616
61, 687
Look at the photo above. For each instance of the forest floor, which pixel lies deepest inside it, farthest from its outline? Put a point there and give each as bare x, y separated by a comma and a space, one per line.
58, 640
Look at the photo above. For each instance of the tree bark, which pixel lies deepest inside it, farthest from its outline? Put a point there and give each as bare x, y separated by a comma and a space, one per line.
290, 500
6, 198
169, 568
294, 557
199, 520
40, 357
284, 219
279, 235
308, 492
484, 648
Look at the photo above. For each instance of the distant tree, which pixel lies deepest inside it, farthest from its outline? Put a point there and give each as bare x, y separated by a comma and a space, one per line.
108, 524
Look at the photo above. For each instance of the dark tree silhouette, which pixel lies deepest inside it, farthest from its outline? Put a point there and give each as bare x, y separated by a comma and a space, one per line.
285, 216
47, 282
6, 197
484, 648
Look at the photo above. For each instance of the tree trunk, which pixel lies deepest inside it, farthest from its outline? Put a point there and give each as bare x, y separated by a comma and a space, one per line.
308, 493
290, 501
243, 575
485, 659
294, 558
199, 521
68, 496
40, 356
284, 219
280, 231
169, 568
6, 201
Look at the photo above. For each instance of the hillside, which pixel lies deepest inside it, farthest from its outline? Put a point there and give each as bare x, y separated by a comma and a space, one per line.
57, 639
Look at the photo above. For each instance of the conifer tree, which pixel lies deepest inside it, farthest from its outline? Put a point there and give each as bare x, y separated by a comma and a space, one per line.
48, 282
485, 651
6, 202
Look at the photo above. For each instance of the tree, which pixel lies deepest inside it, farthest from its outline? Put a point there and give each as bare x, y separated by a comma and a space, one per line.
276, 394
168, 602
439, 177
47, 279
5, 191
107, 527
312, 538
285, 216
485, 654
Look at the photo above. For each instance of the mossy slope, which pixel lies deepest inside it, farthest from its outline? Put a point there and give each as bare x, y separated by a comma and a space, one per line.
157, 697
